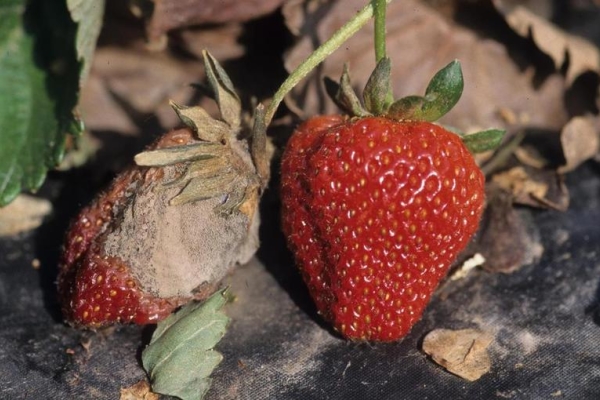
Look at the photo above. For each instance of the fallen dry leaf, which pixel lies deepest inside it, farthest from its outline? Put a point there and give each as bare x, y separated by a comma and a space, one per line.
23, 214
134, 80
461, 352
222, 41
420, 42
139, 391
533, 187
582, 55
518, 182
167, 15
506, 238
580, 140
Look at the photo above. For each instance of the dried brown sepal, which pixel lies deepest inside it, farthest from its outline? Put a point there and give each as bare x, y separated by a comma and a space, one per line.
220, 164
225, 95
206, 127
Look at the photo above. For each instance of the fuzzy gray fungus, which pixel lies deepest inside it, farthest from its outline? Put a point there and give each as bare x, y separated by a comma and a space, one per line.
172, 250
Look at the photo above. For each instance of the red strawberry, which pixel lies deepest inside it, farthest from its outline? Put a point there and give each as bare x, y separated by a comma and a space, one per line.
375, 210
171, 227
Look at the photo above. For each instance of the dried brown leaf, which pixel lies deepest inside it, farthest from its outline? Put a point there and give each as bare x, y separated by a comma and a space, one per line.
130, 81
296, 11
222, 41
580, 141
23, 214
420, 42
139, 391
518, 182
172, 14
507, 240
533, 187
461, 352
582, 55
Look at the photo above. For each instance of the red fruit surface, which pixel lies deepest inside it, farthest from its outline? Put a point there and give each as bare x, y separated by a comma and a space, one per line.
96, 290
375, 211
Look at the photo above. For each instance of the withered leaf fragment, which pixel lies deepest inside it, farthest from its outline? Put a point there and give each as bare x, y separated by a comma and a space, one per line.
167, 15
507, 239
462, 352
139, 391
580, 140
561, 46
534, 187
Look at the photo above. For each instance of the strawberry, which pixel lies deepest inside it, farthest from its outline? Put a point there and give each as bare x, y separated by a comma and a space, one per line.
376, 208
171, 227
96, 289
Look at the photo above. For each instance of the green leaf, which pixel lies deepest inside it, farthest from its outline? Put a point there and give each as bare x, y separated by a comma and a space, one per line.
377, 89
38, 91
88, 15
180, 356
484, 140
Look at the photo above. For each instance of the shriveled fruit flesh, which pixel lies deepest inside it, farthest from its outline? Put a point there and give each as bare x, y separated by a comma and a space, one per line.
375, 211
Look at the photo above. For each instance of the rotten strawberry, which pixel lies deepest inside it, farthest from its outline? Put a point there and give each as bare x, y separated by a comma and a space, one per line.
171, 227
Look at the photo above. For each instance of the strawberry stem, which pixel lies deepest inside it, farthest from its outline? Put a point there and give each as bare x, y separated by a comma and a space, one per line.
335, 41
379, 7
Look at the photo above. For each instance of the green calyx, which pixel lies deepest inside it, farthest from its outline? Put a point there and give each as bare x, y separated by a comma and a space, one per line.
442, 94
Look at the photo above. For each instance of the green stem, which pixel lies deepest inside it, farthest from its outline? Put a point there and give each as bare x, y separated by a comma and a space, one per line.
379, 7
503, 154
336, 40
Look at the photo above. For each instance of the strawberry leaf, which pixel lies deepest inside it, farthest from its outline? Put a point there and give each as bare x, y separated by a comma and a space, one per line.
378, 87
39, 80
88, 15
484, 140
180, 356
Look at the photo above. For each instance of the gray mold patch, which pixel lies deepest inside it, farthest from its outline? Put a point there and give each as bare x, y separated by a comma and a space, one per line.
172, 250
